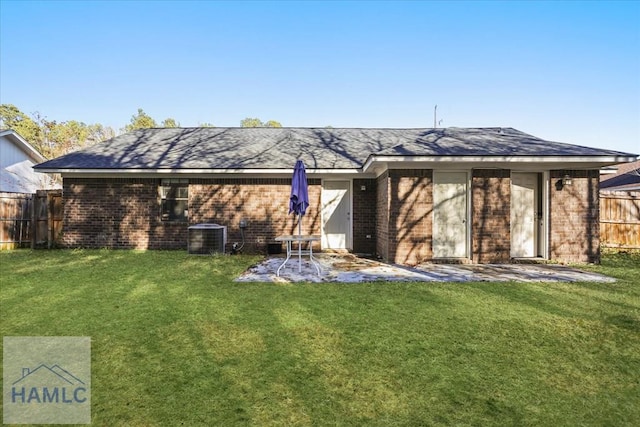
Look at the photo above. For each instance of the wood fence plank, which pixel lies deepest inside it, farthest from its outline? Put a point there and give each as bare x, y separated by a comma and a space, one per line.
620, 219
25, 222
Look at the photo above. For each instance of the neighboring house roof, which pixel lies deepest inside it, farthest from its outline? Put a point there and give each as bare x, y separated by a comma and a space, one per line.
627, 178
17, 158
322, 149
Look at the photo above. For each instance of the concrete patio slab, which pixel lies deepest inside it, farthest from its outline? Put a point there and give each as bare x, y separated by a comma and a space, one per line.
352, 269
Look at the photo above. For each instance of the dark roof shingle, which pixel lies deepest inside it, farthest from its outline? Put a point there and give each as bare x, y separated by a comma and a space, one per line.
320, 148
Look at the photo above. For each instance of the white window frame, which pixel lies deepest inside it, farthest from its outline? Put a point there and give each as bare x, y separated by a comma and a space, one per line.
164, 190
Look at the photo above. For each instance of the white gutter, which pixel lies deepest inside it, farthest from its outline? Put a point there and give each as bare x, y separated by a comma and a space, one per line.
372, 160
195, 171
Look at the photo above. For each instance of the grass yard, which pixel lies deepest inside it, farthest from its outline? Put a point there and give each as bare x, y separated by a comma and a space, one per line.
176, 342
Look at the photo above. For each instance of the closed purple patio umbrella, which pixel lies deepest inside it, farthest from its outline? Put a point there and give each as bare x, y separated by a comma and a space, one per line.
299, 200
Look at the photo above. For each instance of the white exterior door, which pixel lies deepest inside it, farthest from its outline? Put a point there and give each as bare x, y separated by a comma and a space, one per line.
336, 215
449, 214
524, 193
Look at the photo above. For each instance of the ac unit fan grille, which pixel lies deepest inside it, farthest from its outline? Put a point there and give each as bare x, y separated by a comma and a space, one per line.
206, 239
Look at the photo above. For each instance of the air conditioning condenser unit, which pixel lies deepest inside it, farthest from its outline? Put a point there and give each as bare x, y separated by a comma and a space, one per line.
207, 239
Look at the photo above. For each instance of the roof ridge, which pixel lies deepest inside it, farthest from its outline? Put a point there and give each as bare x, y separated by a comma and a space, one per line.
333, 128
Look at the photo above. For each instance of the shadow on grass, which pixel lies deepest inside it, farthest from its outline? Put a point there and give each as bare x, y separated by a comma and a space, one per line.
625, 321
524, 296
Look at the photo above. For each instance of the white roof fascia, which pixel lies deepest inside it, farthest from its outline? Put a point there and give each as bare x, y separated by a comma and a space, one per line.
24, 145
198, 171
368, 167
596, 160
608, 170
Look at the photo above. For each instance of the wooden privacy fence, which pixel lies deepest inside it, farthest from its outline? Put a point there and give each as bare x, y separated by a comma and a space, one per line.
620, 219
30, 220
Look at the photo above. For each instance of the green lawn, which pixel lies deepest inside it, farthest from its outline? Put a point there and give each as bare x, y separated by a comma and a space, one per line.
176, 342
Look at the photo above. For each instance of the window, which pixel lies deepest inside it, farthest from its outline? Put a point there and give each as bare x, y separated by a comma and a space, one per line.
174, 195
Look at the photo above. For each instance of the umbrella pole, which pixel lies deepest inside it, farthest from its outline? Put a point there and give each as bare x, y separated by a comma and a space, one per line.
299, 244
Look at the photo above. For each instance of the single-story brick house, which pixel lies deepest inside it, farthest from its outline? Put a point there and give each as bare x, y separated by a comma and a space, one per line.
407, 195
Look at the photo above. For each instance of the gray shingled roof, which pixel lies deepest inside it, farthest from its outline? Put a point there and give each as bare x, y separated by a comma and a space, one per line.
320, 148
627, 178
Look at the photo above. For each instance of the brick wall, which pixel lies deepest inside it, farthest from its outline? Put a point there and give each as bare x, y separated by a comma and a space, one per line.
382, 216
117, 213
395, 209
574, 216
262, 202
364, 216
491, 215
410, 219
125, 212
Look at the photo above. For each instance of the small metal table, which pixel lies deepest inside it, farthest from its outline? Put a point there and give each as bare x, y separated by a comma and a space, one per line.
300, 240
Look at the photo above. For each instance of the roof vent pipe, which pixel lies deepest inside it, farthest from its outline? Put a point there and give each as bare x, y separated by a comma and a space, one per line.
435, 119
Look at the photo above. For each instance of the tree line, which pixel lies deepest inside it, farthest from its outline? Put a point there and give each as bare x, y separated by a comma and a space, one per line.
54, 138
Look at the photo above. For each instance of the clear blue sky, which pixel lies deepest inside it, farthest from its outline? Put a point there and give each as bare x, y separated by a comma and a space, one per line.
564, 71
